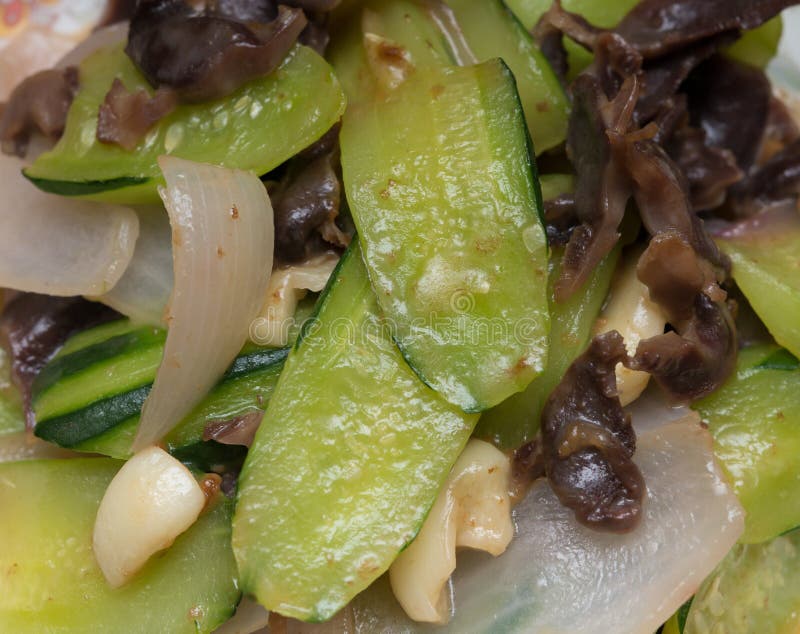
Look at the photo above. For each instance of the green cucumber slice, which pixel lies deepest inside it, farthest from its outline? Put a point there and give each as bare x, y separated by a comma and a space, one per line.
766, 267
515, 421
118, 364
90, 398
755, 421
346, 463
444, 195
12, 420
492, 30
51, 582
256, 128
753, 591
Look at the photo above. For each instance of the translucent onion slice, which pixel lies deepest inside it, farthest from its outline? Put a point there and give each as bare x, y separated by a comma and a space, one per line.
560, 577
143, 291
60, 246
223, 238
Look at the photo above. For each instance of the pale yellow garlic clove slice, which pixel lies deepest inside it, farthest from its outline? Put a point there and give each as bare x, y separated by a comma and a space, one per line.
473, 510
151, 500
630, 311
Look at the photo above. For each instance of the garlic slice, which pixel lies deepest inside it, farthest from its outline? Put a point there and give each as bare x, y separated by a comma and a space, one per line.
473, 510
630, 311
288, 285
150, 501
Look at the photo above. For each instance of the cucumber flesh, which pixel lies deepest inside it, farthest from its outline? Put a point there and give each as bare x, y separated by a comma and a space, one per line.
51, 582
90, 398
755, 421
335, 486
257, 128
491, 30
515, 421
443, 192
766, 267
753, 591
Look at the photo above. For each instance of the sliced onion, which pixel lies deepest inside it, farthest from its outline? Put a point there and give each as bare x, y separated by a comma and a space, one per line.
143, 291
60, 246
287, 286
223, 238
560, 577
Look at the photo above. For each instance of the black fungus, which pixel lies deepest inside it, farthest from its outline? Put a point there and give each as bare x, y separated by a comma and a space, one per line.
588, 441
206, 54
38, 105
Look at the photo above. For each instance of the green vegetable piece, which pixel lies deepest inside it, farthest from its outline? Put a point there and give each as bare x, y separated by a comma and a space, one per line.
491, 30
256, 128
755, 47
51, 582
90, 398
755, 421
766, 268
12, 420
515, 421
487, 30
444, 195
755, 590
346, 463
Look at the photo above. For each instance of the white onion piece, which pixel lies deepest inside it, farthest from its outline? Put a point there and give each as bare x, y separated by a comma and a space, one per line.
143, 291
653, 409
287, 286
560, 577
223, 238
60, 246
250, 617
152, 499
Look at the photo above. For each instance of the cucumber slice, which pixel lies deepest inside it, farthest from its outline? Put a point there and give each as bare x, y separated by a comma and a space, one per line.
515, 421
766, 267
90, 398
491, 30
346, 463
753, 591
443, 192
755, 421
51, 582
12, 420
256, 128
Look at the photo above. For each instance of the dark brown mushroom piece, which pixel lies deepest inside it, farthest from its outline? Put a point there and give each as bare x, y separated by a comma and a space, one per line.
125, 117
205, 55
588, 441
307, 202
700, 354
240, 430
602, 188
34, 327
38, 105
730, 102
659, 27
776, 181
